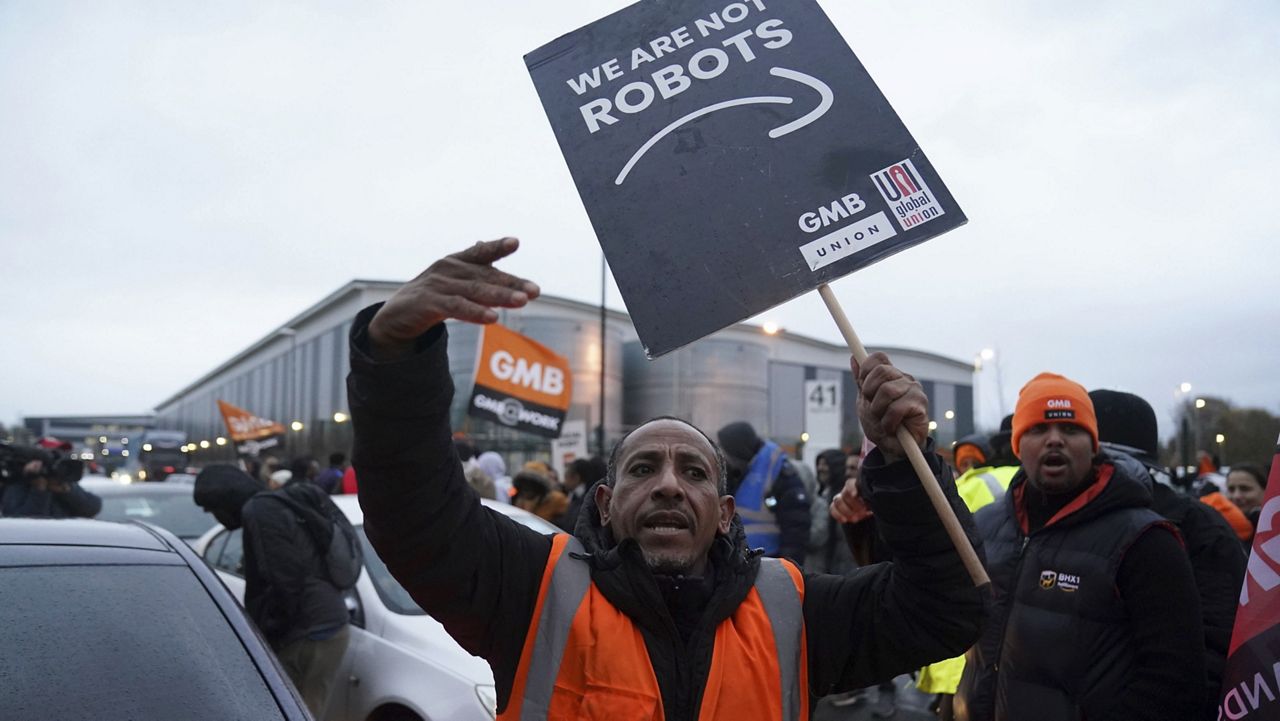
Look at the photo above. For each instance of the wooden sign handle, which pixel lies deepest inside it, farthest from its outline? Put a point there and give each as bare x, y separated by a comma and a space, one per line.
914, 454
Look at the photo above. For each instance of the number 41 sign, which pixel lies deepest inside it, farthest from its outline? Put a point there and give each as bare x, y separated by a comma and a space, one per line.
822, 414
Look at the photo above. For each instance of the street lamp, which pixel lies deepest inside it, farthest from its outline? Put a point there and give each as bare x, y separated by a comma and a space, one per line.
980, 361
770, 328
1201, 403
296, 425
340, 417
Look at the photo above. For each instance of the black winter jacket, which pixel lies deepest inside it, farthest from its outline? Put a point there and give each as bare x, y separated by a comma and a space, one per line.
287, 592
478, 572
1218, 563
1096, 613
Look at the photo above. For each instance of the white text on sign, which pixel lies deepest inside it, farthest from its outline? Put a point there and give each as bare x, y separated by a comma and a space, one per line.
671, 80
848, 240
518, 371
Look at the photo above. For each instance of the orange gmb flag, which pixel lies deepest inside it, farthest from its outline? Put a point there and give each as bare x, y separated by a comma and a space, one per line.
1251, 679
520, 383
244, 426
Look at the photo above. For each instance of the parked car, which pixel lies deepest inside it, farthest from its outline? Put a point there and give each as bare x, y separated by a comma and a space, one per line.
124, 621
401, 665
171, 507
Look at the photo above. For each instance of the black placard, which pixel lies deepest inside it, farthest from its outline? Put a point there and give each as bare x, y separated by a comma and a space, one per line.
732, 156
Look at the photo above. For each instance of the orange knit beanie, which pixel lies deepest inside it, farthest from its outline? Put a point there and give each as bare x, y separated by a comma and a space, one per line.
1051, 398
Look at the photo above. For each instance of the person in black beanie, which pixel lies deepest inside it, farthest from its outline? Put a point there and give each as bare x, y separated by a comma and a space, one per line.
1127, 424
770, 495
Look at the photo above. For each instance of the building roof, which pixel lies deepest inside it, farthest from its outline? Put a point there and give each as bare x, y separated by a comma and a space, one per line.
390, 286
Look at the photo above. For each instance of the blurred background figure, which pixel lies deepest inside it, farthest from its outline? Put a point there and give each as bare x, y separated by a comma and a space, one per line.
579, 476
476, 476
330, 479
539, 495
769, 494
828, 550
1246, 486
496, 468
44, 482
968, 452
279, 479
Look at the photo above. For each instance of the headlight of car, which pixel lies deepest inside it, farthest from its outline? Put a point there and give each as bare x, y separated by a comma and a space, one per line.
488, 698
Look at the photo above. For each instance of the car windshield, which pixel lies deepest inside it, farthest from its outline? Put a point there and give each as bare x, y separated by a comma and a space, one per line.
136, 642
389, 590
174, 512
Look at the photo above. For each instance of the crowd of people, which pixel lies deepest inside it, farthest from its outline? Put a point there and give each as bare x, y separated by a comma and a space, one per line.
1112, 595
727, 578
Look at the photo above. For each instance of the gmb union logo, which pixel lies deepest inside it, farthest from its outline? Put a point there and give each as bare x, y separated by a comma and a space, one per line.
510, 412
1062, 581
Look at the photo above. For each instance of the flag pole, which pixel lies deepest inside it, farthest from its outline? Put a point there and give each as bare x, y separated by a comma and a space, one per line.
914, 454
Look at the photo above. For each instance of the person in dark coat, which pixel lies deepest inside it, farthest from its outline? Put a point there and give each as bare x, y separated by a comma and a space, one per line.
1127, 424
658, 542
770, 495
41, 494
1097, 614
579, 476
287, 593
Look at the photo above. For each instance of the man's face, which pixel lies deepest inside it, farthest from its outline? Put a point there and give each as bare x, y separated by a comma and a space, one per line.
823, 471
666, 496
1057, 457
851, 466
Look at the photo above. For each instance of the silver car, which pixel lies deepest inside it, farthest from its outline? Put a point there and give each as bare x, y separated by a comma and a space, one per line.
400, 664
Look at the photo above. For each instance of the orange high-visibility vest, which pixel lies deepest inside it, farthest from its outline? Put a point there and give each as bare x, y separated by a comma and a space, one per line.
585, 659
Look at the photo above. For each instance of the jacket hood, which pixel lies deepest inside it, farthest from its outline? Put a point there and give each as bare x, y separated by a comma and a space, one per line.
492, 463
1128, 485
224, 489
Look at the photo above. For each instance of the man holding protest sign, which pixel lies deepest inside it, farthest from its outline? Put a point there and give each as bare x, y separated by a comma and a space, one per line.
655, 608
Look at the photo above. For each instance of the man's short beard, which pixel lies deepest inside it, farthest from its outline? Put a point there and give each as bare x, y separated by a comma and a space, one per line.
668, 565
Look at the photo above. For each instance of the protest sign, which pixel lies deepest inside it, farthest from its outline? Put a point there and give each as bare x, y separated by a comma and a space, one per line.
570, 446
249, 432
1251, 678
520, 383
731, 156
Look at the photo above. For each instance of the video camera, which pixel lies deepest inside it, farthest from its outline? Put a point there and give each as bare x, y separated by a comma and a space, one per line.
54, 465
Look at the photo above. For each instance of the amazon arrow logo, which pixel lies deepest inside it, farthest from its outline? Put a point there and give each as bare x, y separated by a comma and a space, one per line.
824, 104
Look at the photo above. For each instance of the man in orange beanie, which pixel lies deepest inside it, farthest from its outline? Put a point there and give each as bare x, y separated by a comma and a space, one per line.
1096, 612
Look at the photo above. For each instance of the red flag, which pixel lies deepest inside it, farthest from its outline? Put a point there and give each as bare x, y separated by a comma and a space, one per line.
1251, 680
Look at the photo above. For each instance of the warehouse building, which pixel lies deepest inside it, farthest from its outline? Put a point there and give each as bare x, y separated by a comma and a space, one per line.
296, 375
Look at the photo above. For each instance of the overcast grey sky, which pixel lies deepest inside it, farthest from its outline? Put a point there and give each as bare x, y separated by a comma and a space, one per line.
179, 178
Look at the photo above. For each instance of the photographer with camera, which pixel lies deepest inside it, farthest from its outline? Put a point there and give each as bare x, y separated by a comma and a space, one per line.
42, 482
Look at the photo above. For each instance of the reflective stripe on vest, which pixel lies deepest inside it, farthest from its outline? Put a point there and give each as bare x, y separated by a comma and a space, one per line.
993, 485
573, 614
559, 603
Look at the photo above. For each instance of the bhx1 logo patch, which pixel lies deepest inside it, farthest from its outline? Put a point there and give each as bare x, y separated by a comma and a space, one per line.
1063, 581
907, 195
